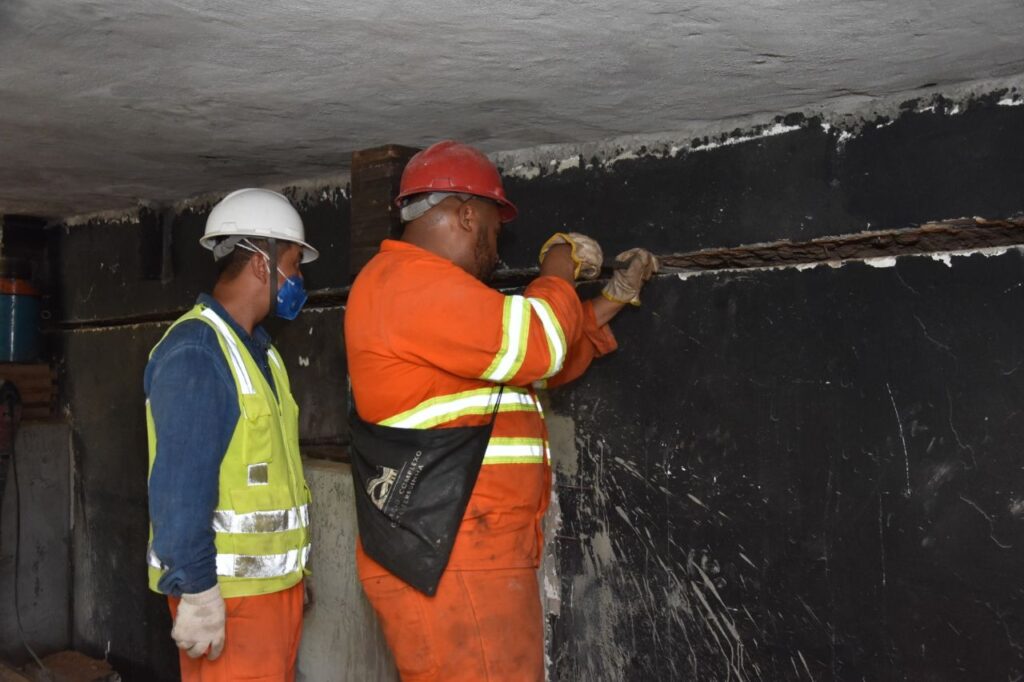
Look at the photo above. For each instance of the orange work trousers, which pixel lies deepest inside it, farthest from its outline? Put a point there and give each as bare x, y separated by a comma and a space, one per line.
480, 626
261, 640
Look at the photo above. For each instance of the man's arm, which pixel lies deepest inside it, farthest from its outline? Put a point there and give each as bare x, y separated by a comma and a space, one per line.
444, 318
605, 310
451, 321
597, 339
195, 409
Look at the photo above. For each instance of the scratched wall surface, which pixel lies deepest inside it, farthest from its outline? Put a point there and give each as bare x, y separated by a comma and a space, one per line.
801, 475
733, 484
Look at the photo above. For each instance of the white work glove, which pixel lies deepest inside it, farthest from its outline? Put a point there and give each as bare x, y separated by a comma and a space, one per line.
586, 253
625, 284
200, 624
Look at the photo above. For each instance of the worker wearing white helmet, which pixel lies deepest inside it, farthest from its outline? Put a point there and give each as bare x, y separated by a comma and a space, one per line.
229, 514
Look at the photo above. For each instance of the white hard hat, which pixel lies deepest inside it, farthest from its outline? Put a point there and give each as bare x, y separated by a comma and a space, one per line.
257, 213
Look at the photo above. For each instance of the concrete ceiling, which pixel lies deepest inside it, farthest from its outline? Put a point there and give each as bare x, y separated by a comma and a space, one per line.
104, 103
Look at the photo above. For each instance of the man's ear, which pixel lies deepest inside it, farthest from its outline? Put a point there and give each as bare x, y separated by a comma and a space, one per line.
259, 267
468, 216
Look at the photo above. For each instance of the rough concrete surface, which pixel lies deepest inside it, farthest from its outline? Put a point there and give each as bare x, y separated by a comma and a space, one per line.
105, 102
341, 639
44, 567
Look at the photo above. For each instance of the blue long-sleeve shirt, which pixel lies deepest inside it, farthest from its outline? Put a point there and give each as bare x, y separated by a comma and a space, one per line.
194, 403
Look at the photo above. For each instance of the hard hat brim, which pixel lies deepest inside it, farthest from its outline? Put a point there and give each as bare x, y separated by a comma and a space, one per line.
309, 252
507, 211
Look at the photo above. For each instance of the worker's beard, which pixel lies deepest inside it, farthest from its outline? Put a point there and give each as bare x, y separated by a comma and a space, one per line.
486, 258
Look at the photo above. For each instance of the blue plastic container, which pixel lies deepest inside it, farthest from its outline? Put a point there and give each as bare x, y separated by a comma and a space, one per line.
19, 313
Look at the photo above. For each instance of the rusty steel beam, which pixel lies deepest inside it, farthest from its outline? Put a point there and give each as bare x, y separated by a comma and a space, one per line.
949, 235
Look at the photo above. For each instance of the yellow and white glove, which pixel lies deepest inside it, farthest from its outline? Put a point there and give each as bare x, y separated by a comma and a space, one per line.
625, 284
586, 253
200, 623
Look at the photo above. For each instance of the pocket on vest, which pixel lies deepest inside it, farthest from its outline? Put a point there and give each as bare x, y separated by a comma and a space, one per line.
259, 430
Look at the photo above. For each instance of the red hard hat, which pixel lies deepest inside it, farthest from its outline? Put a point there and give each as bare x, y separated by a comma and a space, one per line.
449, 166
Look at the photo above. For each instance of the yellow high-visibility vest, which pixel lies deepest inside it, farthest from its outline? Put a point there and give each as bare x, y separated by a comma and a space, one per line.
261, 522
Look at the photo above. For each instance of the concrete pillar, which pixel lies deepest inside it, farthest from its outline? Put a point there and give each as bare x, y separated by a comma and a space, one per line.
43, 463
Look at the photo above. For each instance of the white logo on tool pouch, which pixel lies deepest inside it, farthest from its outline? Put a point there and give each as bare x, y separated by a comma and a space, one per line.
379, 488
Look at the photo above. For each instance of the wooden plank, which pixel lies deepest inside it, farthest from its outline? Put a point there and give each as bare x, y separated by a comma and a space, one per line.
37, 387
9, 674
37, 413
380, 172
25, 379
333, 453
383, 153
38, 397
376, 175
40, 371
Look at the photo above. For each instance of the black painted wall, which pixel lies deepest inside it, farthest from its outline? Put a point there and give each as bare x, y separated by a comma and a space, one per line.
110, 271
799, 185
819, 468
738, 504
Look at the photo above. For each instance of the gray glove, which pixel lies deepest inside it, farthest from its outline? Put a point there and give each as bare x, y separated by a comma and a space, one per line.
200, 624
625, 284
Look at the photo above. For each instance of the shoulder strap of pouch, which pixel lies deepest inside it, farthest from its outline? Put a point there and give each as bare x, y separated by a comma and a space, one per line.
497, 404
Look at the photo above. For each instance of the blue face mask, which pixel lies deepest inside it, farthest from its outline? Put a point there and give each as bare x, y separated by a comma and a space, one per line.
290, 297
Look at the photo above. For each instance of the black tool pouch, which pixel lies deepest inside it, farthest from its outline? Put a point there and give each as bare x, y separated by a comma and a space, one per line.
412, 487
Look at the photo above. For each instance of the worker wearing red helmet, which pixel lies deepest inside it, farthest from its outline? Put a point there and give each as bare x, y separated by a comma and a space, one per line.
450, 452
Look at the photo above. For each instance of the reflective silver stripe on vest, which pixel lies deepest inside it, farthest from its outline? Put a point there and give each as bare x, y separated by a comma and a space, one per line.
273, 357
227, 521
250, 566
261, 566
154, 560
244, 382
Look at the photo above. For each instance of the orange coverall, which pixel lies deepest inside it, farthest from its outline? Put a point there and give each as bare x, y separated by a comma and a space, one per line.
427, 345
262, 632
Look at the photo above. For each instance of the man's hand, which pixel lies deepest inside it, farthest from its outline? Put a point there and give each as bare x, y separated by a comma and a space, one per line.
307, 595
625, 285
586, 253
200, 624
